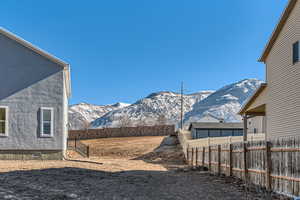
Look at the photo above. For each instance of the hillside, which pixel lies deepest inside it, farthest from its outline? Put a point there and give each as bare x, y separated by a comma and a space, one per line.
81, 115
164, 107
225, 102
149, 110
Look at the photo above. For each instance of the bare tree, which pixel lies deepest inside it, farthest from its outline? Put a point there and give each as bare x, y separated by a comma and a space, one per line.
125, 121
161, 120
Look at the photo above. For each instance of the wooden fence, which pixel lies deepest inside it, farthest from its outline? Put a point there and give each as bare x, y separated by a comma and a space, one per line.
273, 165
161, 130
79, 147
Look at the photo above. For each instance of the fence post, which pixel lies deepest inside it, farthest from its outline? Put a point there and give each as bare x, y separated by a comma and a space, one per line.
245, 161
197, 157
219, 159
88, 151
268, 167
187, 156
193, 149
203, 156
75, 143
230, 159
209, 158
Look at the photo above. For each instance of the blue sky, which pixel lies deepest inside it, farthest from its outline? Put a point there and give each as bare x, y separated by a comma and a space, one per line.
124, 50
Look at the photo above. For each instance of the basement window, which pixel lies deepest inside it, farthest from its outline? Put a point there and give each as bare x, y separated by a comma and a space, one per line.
3, 121
296, 52
46, 122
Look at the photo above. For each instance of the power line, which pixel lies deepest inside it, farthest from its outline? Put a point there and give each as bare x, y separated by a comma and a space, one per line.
181, 112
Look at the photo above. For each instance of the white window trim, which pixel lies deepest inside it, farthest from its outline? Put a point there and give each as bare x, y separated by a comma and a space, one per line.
6, 121
42, 122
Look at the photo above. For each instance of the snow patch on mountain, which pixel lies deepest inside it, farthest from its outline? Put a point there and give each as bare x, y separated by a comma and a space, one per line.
149, 110
225, 102
164, 107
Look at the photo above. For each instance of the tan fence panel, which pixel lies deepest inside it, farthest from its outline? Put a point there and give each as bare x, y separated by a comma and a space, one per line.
274, 165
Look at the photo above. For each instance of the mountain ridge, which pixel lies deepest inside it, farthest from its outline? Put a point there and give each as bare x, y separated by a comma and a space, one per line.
165, 106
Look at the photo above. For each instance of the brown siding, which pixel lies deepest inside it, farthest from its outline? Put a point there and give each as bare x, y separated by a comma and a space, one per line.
283, 78
260, 100
258, 123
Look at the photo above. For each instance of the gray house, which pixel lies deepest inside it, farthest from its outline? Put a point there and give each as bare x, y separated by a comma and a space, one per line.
34, 91
201, 130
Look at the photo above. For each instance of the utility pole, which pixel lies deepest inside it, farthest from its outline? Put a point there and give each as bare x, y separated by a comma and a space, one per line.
181, 112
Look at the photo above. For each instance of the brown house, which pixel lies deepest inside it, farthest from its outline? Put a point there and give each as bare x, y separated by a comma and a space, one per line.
278, 100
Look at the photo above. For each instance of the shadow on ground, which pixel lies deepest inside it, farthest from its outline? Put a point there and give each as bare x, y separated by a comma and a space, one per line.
78, 183
168, 155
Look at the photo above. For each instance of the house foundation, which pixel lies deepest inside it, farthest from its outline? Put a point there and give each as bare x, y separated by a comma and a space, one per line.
31, 155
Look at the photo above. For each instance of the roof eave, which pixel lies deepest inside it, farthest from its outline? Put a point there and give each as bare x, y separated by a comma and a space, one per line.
43, 53
68, 81
252, 98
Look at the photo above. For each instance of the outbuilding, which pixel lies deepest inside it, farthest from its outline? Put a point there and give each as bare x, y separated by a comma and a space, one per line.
201, 130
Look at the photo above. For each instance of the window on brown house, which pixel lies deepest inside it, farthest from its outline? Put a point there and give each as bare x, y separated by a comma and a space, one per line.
296, 52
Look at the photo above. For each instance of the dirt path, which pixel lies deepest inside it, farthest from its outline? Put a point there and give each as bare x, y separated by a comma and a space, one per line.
115, 179
147, 177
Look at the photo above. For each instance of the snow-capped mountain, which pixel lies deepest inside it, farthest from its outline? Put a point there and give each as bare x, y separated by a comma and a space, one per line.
81, 115
225, 102
164, 107
155, 108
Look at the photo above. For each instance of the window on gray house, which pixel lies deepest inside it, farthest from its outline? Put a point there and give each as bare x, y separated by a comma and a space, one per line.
46, 122
296, 52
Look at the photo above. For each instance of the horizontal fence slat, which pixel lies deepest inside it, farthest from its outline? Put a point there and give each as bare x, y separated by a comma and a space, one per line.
286, 178
285, 149
257, 171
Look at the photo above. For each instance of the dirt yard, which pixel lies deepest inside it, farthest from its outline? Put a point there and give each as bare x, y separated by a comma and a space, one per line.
139, 169
127, 147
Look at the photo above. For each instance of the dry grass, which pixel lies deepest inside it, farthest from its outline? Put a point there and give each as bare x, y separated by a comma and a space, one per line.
127, 147
129, 170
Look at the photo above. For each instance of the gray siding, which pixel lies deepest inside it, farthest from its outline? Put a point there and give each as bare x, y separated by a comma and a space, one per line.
28, 82
283, 78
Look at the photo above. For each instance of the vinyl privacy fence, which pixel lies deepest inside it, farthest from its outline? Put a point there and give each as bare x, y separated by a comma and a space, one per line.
273, 165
